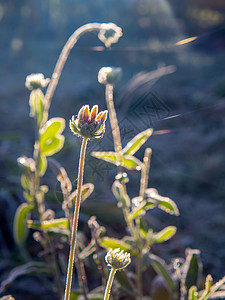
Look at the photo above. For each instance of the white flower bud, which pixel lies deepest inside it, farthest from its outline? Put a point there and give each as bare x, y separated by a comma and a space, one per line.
36, 81
117, 259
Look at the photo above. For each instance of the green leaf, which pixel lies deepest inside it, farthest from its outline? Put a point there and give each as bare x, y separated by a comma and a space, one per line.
75, 295
86, 191
20, 226
25, 182
135, 144
164, 235
143, 230
192, 293
111, 157
28, 197
141, 210
59, 231
192, 270
53, 145
28, 268
112, 243
164, 203
37, 105
131, 163
42, 165
127, 161
49, 224
120, 194
123, 279
161, 268
51, 140
216, 287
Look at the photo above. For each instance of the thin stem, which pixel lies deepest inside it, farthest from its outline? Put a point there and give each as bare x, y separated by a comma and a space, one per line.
112, 117
55, 268
143, 187
62, 60
109, 283
81, 273
145, 171
82, 278
75, 220
37, 195
139, 274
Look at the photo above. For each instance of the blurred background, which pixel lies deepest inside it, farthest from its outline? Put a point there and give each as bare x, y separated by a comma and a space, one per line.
172, 56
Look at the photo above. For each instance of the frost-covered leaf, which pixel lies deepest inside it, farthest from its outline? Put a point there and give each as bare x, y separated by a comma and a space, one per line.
162, 269
51, 140
135, 144
42, 165
112, 243
120, 194
164, 235
163, 203
86, 191
46, 225
20, 226
37, 105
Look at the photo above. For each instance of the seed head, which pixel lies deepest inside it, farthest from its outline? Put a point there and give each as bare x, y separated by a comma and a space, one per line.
89, 124
109, 75
109, 34
117, 259
36, 81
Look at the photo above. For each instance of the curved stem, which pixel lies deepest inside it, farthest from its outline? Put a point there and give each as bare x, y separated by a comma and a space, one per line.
62, 60
109, 283
75, 220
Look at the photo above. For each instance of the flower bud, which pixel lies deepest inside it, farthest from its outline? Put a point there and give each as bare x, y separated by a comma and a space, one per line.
109, 34
89, 124
36, 81
117, 259
109, 75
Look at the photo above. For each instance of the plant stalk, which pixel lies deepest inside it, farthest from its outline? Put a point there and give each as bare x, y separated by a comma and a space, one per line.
75, 220
112, 117
138, 275
145, 171
41, 208
62, 60
109, 283
82, 278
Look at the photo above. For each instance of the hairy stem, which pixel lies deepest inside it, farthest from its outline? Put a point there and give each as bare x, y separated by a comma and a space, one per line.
41, 209
82, 278
145, 171
109, 283
62, 60
75, 220
112, 117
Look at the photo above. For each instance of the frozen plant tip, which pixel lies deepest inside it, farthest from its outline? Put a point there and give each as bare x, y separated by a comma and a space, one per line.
89, 124
109, 75
117, 259
36, 81
109, 34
